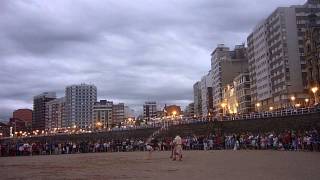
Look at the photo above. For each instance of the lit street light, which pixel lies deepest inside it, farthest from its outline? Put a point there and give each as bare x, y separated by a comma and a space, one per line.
307, 102
223, 105
315, 90
293, 98
258, 105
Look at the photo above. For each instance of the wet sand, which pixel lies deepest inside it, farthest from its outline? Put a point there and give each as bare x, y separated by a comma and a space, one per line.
246, 165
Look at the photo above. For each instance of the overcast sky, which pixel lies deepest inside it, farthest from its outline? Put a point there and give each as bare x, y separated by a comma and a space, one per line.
132, 50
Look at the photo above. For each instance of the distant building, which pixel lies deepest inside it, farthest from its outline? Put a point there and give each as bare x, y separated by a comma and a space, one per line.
79, 105
312, 53
24, 118
197, 99
172, 110
118, 114
18, 125
149, 110
39, 109
4, 130
206, 95
23, 114
225, 65
189, 112
102, 114
55, 114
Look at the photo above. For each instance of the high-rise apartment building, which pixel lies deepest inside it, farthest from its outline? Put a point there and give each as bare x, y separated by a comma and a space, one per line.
225, 65
277, 63
55, 114
118, 114
312, 53
102, 114
39, 109
79, 105
149, 110
197, 97
206, 95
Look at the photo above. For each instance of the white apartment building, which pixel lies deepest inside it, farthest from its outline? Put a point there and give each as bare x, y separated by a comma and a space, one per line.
276, 57
79, 105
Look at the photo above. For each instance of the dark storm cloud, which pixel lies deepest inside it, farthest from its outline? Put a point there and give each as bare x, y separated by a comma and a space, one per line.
132, 50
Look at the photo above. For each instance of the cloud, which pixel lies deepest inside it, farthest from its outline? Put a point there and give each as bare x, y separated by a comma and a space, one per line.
131, 50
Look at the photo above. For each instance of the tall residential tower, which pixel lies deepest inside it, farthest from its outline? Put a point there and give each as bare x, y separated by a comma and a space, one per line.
79, 105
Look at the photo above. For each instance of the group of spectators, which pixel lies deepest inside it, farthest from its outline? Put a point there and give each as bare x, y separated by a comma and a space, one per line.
288, 140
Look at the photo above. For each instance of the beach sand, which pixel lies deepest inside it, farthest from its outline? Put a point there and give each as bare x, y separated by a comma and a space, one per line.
198, 165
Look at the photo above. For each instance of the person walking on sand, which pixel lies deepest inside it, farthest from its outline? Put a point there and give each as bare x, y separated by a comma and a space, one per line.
177, 148
151, 146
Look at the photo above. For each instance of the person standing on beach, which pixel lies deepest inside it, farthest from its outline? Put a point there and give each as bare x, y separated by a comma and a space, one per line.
151, 146
177, 148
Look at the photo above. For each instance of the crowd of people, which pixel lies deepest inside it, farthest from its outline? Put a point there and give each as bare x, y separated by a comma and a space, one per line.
288, 140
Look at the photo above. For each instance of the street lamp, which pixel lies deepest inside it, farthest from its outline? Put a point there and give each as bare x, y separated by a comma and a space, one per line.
315, 90
293, 98
271, 108
223, 105
98, 124
307, 102
174, 113
258, 105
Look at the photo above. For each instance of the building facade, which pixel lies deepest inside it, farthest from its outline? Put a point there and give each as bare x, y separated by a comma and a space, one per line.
225, 65
23, 114
197, 99
207, 95
172, 110
22, 119
242, 89
55, 114
102, 114
79, 105
229, 103
277, 64
149, 110
39, 109
4, 130
189, 111
312, 53
118, 114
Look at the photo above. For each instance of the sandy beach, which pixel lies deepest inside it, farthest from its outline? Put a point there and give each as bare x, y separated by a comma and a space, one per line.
195, 165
